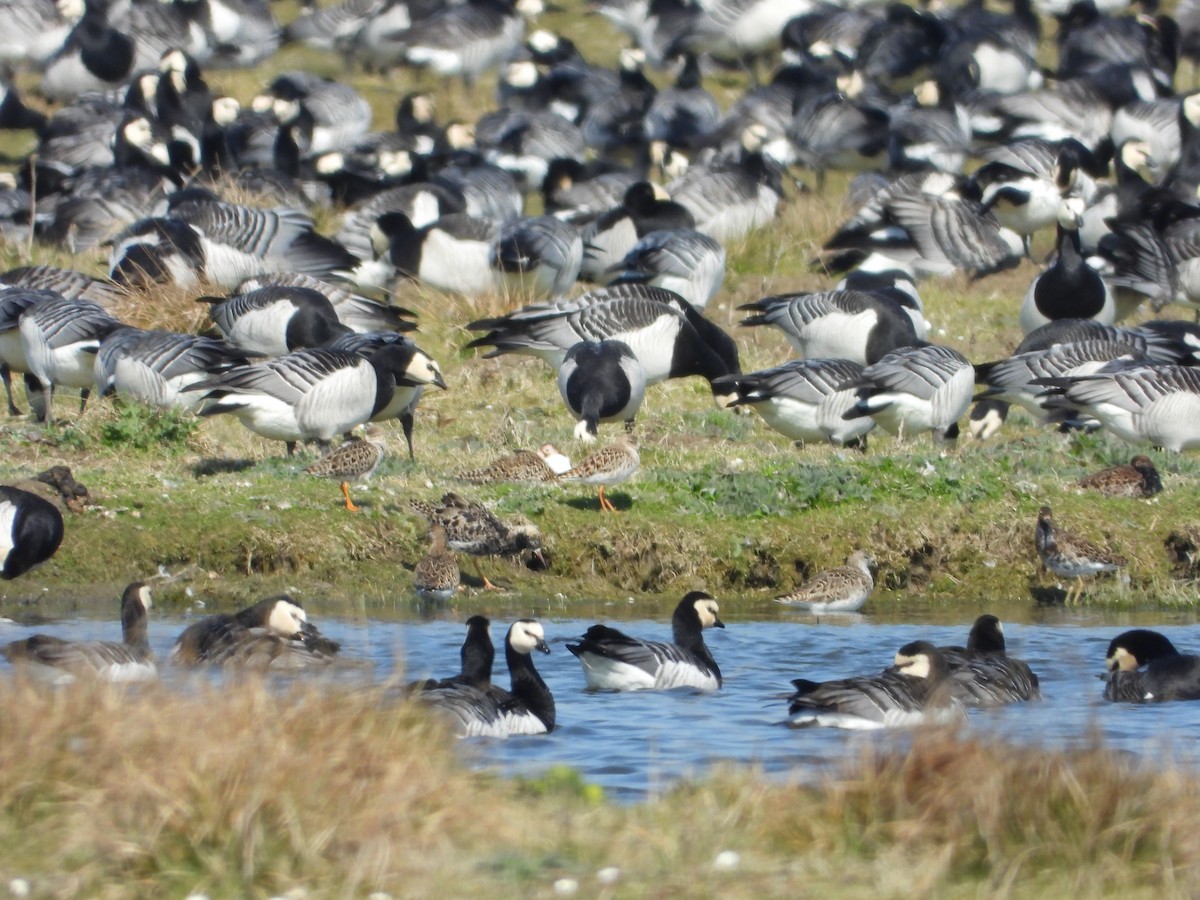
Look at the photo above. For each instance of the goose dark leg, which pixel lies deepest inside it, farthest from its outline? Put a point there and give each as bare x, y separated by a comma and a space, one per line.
83, 399
406, 423
6, 375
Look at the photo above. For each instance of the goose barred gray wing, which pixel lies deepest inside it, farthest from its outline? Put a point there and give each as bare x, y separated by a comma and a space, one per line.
153, 367
540, 256
361, 314
951, 235
687, 262
916, 389
71, 284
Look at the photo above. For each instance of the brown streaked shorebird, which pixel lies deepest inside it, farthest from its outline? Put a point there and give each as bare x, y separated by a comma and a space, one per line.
523, 466
842, 589
1136, 478
435, 579
62, 661
354, 460
1070, 556
607, 466
473, 529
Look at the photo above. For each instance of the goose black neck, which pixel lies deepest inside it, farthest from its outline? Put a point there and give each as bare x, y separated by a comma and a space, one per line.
528, 686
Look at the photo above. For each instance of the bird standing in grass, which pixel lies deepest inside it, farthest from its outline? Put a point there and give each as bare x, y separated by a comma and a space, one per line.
1071, 556
609, 465
355, 460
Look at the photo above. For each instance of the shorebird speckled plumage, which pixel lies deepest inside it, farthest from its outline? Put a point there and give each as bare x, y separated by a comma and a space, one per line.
609, 465
1136, 478
1071, 556
435, 579
841, 589
473, 529
354, 460
522, 466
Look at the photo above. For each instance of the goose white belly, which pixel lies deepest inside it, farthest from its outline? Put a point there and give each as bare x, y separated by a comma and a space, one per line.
806, 422
12, 353
1172, 422
837, 336
461, 267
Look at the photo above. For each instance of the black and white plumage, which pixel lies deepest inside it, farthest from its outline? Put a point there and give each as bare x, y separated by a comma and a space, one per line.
1144, 667
915, 691
614, 661
538, 257
332, 116
487, 710
359, 313
464, 40
272, 634
62, 661
275, 319
916, 389
601, 381
645, 207
983, 674
681, 260
730, 199
13, 304
316, 394
804, 400
94, 57
669, 338
452, 253
31, 530
72, 284
422, 202
154, 367
476, 657
854, 325
1070, 288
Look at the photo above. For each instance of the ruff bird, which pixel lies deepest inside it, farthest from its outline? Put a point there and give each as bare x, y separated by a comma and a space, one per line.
487, 710
354, 460
803, 400
1068, 555
1136, 478
273, 634
915, 691
983, 674
614, 661
601, 381
436, 575
312, 395
1144, 667
614, 464
915, 389
63, 661
522, 466
842, 589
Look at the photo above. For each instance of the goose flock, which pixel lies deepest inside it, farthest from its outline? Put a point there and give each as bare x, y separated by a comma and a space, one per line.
601, 209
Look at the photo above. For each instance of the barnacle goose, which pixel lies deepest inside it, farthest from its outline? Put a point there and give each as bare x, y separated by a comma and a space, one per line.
524, 143
932, 131
13, 304
94, 57
915, 691
644, 208
487, 710
894, 284
1068, 555
685, 114
613, 661
315, 394
473, 529
465, 39
614, 123
422, 202
33, 30
1144, 667
154, 367
601, 381
275, 319
669, 338
831, 131
983, 675
537, 257
272, 634
31, 530
845, 324
842, 589
360, 314
915, 389
435, 579
1022, 182
476, 657
333, 114
1136, 478
60, 339
452, 253
802, 399
63, 661
681, 260
739, 29
72, 284
1070, 288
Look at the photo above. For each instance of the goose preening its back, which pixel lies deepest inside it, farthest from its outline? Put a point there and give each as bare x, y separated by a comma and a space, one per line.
614, 661
915, 691
63, 661
272, 634
1144, 667
480, 709
983, 674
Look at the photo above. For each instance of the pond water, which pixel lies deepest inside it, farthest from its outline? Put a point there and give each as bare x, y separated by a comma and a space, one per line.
634, 744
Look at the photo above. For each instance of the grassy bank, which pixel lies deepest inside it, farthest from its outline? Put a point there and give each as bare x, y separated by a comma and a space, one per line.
333, 793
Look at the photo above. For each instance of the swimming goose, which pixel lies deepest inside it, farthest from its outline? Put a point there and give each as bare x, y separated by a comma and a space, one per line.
154, 367
315, 394
915, 389
272, 634
614, 464
681, 260
353, 460
1136, 478
476, 658
60, 339
436, 577
31, 530
644, 208
537, 257
854, 325
487, 710
63, 661
669, 338
473, 529
1144, 667
802, 399
1068, 555
842, 589
613, 661
983, 675
275, 319
601, 381
1069, 288
915, 691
